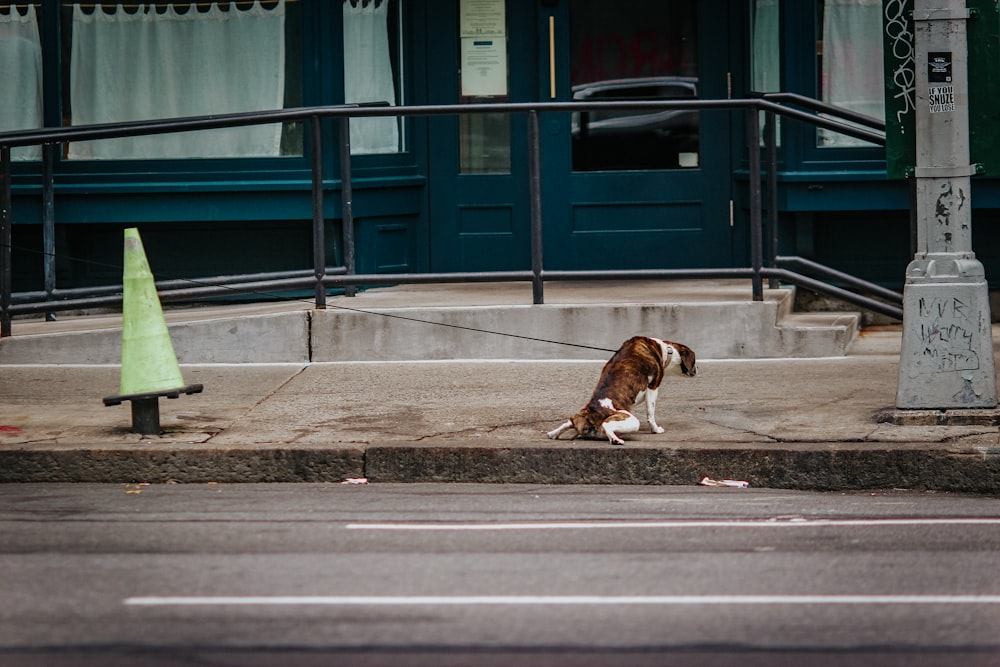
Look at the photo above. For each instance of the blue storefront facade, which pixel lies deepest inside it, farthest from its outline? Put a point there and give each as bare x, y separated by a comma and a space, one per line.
449, 192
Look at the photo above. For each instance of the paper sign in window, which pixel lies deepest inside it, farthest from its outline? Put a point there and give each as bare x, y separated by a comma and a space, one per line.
483, 17
484, 66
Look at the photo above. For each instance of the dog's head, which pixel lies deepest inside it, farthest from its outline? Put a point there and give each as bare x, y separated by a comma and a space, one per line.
585, 423
679, 359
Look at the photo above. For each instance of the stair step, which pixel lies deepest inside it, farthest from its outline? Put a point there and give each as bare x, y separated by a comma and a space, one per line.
717, 319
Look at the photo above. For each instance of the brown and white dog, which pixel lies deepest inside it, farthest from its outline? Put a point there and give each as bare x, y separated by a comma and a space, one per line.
637, 368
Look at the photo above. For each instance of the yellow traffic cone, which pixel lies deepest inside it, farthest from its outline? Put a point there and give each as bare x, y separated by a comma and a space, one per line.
149, 364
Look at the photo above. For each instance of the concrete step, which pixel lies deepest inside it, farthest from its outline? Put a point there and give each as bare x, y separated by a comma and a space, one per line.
580, 321
818, 334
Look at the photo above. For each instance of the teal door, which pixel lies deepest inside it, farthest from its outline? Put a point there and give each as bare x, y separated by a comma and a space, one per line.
620, 190
477, 174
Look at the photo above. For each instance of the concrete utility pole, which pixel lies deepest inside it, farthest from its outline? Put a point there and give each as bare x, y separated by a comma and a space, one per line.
946, 360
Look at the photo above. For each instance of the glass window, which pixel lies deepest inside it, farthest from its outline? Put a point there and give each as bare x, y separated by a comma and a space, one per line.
766, 59
484, 137
20, 75
372, 35
849, 56
137, 61
634, 50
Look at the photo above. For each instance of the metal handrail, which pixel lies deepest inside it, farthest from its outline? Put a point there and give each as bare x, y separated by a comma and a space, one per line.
321, 277
66, 134
886, 302
825, 108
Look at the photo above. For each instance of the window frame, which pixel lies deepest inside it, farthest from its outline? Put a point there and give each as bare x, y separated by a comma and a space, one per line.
321, 70
800, 73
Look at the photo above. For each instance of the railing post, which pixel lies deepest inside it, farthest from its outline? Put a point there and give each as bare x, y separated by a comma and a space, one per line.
347, 200
6, 220
49, 222
771, 142
756, 240
535, 189
319, 235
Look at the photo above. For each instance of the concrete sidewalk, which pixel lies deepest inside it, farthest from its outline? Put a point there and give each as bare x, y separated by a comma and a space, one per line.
783, 423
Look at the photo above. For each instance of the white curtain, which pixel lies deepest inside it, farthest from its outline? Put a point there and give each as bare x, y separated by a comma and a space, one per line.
368, 74
146, 65
20, 76
852, 62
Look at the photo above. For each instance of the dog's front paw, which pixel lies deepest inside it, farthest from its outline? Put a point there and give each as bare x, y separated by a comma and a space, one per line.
556, 432
615, 440
658, 429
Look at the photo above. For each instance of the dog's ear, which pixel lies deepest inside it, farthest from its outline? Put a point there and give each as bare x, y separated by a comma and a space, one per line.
689, 365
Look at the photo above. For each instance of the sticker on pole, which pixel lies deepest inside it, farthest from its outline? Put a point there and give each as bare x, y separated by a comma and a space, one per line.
942, 99
939, 67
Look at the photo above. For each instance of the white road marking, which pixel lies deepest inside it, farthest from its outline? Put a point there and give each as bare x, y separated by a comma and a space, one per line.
723, 523
590, 600
587, 600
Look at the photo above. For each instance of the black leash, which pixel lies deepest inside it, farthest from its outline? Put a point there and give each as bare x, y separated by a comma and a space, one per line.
464, 328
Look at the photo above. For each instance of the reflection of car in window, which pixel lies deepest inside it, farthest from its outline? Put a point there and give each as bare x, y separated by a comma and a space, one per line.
635, 139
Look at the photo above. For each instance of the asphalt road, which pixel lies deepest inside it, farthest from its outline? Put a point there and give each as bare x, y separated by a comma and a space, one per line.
494, 575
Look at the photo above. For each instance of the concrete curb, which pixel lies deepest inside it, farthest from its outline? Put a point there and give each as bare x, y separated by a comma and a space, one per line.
181, 466
791, 468
816, 467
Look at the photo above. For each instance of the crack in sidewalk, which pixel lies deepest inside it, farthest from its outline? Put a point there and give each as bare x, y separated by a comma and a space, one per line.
479, 429
261, 401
